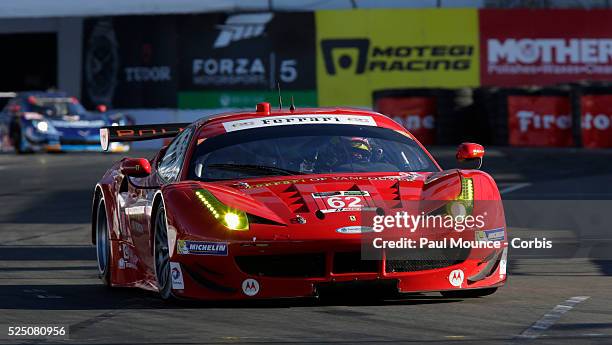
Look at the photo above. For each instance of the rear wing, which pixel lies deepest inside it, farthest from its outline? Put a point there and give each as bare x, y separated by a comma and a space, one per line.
112, 134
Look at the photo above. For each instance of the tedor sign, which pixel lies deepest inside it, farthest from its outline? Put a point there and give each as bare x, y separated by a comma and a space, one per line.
416, 114
529, 47
540, 121
361, 51
123, 67
596, 119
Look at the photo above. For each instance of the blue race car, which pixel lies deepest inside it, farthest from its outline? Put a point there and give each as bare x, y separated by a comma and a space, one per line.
52, 121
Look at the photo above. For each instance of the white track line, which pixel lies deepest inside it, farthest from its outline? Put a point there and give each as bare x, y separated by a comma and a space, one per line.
514, 187
551, 317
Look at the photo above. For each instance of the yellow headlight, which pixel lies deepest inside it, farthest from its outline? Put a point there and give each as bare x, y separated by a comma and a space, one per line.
230, 218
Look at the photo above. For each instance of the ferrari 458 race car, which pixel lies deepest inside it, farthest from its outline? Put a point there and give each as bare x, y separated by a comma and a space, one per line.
272, 204
51, 121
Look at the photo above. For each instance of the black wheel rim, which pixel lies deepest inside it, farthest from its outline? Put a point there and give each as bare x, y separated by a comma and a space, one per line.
162, 259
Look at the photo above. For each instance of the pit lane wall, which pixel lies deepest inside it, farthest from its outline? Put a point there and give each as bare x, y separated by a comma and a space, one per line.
506, 77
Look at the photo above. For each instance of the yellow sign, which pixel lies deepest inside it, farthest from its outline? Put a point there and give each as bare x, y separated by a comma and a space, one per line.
362, 51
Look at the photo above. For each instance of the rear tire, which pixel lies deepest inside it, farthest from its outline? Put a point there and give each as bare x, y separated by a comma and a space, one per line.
103, 245
162, 256
469, 293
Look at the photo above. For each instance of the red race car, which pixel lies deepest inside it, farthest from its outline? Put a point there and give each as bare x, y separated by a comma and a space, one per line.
272, 204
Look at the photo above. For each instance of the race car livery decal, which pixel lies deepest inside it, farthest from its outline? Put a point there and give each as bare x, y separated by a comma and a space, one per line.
201, 248
342, 201
402, 176
455, 278
177, 276
314, 119
250, 287
490, 235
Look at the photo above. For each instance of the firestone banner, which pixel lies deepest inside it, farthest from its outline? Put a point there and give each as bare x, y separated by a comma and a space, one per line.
540, 121
362, 51
540, 47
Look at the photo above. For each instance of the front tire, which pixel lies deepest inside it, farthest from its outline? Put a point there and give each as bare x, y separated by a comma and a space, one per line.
469, 293
162, 256
103, 244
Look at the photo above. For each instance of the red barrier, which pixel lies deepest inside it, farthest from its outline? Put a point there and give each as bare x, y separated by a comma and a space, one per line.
540, 121
596, 118
417, 114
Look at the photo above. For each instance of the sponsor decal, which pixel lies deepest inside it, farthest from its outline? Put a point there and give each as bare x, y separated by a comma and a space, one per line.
437, 49
315, 119
184, 247
401, 177
596, 119
250, 287
240, 27
342, 201
546, 53
503, 263
354, 229
78, 124
177, 276
128, 258
456, 278
540, 121
490, 235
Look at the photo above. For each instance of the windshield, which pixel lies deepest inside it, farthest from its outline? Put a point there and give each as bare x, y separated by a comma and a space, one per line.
56, 107
309, 149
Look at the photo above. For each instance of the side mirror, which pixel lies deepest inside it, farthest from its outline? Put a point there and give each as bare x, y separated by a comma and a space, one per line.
101, 108
135, 167
470, 152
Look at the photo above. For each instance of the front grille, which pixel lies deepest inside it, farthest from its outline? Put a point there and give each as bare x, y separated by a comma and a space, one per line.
351, 262
412, 260
291, 266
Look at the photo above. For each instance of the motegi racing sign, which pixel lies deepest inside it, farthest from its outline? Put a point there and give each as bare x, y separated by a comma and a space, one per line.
527, 47
247, 51
362, 51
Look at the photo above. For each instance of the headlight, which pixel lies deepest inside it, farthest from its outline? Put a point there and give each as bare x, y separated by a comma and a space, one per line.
464, 203
42, 126
230, 218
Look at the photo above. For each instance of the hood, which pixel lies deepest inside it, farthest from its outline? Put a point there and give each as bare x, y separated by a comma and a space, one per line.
336, 198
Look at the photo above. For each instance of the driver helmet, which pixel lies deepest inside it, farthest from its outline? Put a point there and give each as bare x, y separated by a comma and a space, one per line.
361, 150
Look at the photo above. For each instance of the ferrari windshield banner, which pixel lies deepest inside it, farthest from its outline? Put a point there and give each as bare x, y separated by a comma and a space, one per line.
527, 47
361, 51
540, 121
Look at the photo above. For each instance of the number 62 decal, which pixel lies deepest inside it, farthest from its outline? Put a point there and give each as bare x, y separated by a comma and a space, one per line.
341, 201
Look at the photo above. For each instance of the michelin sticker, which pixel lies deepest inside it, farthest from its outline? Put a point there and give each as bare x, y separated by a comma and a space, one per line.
490, 235
250, 287
184, 247
177, 276
306, 119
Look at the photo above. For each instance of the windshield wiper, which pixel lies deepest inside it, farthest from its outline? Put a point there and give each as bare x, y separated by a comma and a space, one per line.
255, 168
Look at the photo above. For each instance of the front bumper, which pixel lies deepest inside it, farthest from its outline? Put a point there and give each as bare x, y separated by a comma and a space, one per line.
269, 270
